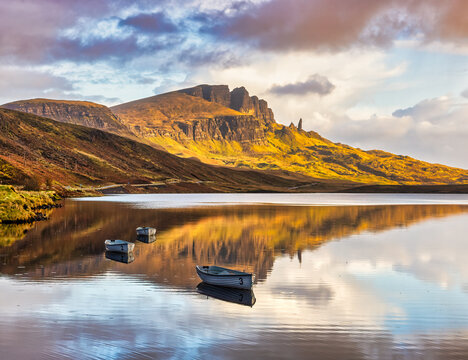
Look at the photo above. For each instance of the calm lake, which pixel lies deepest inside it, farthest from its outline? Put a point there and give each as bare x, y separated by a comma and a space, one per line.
339, 276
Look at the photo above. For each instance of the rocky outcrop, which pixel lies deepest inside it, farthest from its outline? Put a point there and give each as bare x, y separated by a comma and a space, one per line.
266, 112
238, 99
241, 128
72, 112
214, 93
299, 125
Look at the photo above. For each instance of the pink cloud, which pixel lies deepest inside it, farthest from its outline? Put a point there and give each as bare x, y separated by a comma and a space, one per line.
336, 24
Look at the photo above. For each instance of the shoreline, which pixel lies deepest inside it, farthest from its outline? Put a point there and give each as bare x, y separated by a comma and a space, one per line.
20, 206
188, 187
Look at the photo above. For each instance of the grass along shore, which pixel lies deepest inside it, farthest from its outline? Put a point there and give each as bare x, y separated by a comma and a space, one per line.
17, 206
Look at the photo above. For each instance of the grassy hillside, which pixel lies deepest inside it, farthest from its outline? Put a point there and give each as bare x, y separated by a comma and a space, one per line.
272, 146
66, 154
21, 206
162, 111
310, 154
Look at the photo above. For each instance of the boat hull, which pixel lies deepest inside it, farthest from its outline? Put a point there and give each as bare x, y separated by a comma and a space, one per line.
236, 281
119, 247
146, 231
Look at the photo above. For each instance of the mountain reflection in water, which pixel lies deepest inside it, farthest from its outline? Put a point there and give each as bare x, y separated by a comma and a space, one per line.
335, 282
246, 238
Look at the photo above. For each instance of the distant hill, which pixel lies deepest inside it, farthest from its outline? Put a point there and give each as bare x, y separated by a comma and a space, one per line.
71, 154
232, 128
73, 112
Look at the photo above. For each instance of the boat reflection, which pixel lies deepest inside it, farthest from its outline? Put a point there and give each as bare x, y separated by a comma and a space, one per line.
148, 239
125, 258
237, 296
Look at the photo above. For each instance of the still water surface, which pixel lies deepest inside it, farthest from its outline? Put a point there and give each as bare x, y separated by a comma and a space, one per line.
353, 281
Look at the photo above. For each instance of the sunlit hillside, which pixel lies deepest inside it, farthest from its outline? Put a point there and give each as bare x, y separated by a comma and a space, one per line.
67, 154
192, 126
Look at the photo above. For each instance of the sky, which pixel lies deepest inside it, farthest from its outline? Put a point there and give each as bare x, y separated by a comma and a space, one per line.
374, 74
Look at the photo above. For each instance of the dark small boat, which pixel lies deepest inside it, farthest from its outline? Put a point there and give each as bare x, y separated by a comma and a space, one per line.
216, 275
125, 258
237, 296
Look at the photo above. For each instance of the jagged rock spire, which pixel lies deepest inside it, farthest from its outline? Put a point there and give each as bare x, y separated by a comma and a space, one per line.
299, 125
238, 99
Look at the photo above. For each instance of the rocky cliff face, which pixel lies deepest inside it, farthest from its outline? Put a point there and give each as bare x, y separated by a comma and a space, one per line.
238, 99
241, 128
214, 93
72, 112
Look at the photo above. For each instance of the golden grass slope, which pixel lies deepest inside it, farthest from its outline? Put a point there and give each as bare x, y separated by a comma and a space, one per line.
20, 205
280, 147
161, 111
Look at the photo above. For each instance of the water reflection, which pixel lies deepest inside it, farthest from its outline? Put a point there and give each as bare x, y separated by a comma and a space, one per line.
125, 258
246, 238
336, 282
236, 296
146, 238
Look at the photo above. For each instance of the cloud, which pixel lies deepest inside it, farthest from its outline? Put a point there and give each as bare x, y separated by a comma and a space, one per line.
465, 93
106, 49
85, 31
428, 108
150, 23
33, 32
433, 130
100, 99
316, 84
17, 83
29, 28
335, 25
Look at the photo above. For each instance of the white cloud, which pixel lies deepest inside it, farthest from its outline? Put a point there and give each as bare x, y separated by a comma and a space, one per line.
356, 75
434, 130
19, 83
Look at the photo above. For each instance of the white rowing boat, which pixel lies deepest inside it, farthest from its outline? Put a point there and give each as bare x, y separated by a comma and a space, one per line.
145, 231
119, 246
216, 275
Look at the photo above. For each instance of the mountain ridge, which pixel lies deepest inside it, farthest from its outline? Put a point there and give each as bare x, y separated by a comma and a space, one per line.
230, 128
76, 112
259, 142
